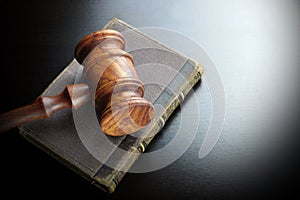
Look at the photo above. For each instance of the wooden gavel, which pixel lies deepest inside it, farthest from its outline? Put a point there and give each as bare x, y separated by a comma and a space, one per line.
110, 75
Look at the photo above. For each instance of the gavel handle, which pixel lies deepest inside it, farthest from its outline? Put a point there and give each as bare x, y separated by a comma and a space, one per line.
45, 106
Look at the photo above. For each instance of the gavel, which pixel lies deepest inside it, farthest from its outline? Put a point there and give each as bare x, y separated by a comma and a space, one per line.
110, 75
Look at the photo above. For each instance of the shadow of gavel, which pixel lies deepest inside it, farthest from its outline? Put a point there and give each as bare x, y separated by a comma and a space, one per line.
110, 75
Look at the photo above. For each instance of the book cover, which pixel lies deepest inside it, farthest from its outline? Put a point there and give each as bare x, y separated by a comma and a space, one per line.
104, 160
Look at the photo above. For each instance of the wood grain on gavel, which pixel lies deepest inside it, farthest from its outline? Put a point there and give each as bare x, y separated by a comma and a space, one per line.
110, 75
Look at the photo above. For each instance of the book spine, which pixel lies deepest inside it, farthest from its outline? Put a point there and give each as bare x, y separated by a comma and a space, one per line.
110, 182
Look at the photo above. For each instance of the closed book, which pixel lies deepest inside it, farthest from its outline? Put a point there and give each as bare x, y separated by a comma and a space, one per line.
104, 160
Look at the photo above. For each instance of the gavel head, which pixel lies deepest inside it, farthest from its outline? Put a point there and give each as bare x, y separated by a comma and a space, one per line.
111, 76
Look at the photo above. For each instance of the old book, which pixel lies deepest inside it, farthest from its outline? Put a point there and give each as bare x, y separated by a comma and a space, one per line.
94, 155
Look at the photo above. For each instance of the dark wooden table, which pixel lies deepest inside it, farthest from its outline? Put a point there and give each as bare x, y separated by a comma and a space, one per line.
255, 46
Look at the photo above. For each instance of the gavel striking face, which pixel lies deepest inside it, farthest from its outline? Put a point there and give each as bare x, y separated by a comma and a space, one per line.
110, 76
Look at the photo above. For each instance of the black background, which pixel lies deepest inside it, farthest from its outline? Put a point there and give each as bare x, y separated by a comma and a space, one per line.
255, 45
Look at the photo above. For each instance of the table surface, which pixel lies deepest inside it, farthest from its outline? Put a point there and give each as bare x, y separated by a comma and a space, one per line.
255, 47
